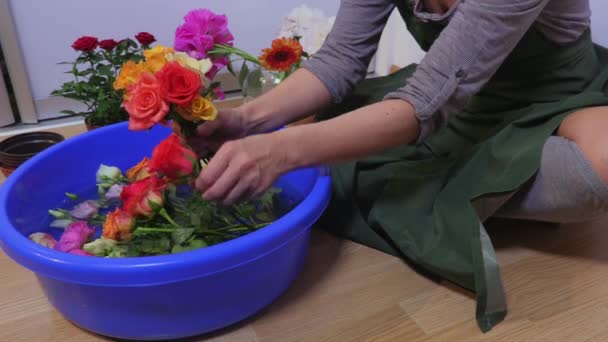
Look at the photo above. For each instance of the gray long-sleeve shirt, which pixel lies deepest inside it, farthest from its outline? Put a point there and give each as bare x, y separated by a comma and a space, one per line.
479, 36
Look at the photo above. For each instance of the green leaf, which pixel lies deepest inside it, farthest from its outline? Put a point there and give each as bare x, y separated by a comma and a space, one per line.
181, 235
155, 246
105, 70
231, 69
72, 196
59, 214
192, 245
243, 74
85, 72
121, 251
68, 112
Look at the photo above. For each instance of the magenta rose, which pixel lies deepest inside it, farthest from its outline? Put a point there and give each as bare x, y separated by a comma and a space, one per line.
74, 237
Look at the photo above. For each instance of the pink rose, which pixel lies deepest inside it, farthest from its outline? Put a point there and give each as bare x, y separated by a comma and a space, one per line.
74, 237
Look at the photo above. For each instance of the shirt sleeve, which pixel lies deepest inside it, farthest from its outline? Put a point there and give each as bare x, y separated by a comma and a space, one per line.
468, 52
343, 60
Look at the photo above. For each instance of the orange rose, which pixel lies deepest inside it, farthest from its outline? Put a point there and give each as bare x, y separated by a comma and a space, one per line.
140, 171
129, 74
118, 226
144, 104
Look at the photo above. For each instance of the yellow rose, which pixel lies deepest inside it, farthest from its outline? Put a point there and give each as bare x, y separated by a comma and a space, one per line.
201, 66
130, 72
156, 57
200, 109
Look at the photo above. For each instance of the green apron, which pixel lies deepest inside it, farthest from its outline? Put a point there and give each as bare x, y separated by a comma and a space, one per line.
415, 201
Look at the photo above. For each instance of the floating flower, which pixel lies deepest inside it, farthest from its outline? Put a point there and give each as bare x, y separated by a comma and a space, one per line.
156, 58
130, 72
61, 223
145, 38
285, 52
143, 197
178, 85
200, 109
44, 239
85, 44
99, 246
118, 227
107, 173
144, 103
74, 237
140, 171
114, 191
85, 210
171, 159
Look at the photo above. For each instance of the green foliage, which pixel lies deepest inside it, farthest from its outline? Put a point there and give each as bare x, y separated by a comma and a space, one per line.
187, 222
94, 74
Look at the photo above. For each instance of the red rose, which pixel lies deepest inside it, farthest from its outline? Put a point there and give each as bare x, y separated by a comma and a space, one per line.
172, 159
108, 44
178, 85
142, 197
145, 38
85, 44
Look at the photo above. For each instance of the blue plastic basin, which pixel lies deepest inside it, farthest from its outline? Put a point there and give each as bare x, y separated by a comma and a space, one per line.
160, 297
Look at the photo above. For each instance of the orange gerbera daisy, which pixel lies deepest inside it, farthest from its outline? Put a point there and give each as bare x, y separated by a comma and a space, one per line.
284, 53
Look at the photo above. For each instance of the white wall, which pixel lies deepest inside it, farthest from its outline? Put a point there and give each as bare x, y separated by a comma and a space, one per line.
599, 21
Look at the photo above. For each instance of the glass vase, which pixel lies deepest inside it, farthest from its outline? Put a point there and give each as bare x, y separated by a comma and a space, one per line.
258, 82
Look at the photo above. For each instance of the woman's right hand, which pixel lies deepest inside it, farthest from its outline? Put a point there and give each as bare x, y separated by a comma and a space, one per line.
230, 124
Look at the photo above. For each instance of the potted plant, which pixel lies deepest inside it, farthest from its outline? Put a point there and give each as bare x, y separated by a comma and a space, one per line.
95, 72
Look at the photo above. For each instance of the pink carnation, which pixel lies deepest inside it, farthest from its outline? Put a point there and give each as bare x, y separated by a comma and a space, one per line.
74, 237
202, 29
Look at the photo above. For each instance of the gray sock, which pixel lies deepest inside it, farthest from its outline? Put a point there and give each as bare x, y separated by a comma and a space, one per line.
565, 189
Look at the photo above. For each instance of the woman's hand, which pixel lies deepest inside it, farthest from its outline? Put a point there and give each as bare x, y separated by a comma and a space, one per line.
243, 169
230, 124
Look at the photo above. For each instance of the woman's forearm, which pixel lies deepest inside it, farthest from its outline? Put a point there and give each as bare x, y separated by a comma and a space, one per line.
357, 134
299, 96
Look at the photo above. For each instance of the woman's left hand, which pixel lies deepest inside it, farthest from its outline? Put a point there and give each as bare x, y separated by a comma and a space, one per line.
243, 169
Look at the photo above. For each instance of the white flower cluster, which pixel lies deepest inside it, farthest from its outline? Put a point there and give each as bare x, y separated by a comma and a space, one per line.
310, 24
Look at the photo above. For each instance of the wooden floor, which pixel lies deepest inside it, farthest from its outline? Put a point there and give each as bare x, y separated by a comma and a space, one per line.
556, 278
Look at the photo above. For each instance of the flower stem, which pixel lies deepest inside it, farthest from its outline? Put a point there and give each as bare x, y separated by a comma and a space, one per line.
226, 49
163, 213
154, 230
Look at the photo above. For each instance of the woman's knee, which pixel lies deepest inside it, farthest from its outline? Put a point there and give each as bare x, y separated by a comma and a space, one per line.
588, 128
